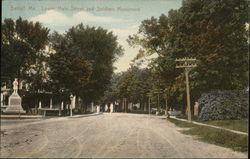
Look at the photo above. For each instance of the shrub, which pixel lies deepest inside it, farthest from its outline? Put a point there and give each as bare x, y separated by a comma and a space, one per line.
224, 105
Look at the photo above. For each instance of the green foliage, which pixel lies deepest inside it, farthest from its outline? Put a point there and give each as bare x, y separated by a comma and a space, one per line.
93, 51
75, 75
238, 125
21, 50
139, 112
212, 31
111, 93
224, 105
220, 137
215, 136
22, 43
133, 84
216, 35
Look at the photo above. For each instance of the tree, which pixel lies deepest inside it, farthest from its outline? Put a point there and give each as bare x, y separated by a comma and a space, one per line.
216, 35
75, 75
22, 41
100, 50
133, 84
100, 47
157, 38
213, 32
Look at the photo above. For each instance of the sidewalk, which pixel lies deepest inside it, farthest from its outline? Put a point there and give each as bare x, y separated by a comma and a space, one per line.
41, 116
197, 123
85, 115
21, 116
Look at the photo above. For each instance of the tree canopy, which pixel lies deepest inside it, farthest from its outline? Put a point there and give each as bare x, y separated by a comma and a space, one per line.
211, 31
86, 54
22, 42
214, 32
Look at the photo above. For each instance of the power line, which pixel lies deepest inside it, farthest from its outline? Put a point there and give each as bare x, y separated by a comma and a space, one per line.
187, 63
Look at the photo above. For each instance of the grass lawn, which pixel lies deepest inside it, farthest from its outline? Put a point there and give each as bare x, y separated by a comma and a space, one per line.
239, 125
139, 112
214, 136
182, 116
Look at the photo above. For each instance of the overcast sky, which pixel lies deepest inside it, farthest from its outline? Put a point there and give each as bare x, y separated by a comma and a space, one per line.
120, 16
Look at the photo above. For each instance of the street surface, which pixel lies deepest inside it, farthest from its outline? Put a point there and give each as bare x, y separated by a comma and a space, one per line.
107, 136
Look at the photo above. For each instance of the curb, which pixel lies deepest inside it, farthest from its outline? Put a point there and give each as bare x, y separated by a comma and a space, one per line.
80, 116
42, 117
20, 117
197, 123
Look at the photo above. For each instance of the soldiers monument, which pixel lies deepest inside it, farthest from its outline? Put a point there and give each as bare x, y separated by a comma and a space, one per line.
15, 101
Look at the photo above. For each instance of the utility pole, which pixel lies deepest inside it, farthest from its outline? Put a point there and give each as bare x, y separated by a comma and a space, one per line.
71, 104
149, 95
124, 101
166, 102
158, 102
187, 63
149, 105
125, 105
123, 109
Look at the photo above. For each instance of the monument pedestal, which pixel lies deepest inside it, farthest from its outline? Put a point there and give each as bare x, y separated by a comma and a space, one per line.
14, 105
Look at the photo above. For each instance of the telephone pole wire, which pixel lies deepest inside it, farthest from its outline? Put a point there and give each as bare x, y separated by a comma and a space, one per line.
187, 63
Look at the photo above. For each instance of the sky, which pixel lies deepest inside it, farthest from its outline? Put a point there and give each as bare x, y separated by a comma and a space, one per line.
123, 17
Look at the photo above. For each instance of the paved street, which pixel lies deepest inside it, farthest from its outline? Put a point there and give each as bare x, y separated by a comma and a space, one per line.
105, 135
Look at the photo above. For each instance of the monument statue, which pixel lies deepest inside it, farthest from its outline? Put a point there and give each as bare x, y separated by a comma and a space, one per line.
15, 101
15, 86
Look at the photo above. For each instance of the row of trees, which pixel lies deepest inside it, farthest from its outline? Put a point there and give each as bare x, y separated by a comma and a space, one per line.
134, 84
214, 32
81, 62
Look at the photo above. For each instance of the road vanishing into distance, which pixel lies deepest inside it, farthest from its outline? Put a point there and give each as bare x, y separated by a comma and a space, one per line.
105, 135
